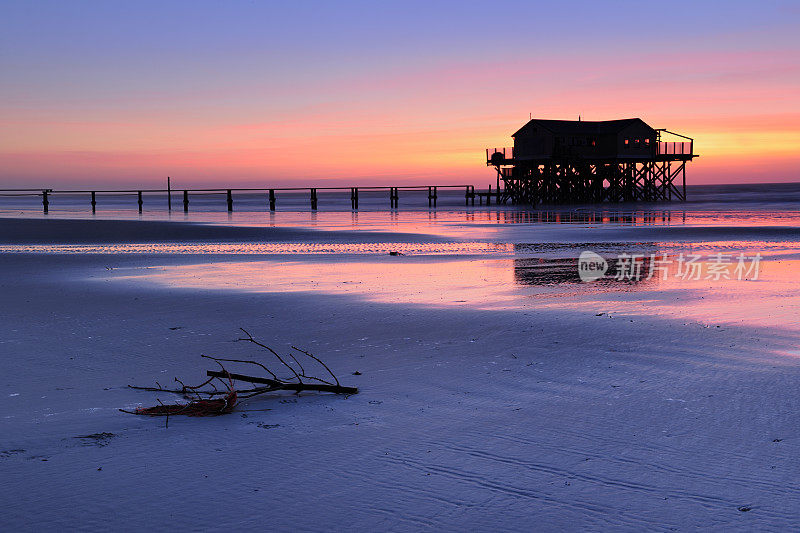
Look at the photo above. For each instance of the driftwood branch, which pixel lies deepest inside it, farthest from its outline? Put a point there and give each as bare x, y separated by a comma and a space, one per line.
284, 363
281, 385
205, 401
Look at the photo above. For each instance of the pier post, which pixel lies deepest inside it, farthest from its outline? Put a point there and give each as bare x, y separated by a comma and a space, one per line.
431, 196
683, 171
489, 196
139, 200
272, 199
45, 202
314, 199
230, 200
94, 203
354, 197
394, 197
169, 195
185, 201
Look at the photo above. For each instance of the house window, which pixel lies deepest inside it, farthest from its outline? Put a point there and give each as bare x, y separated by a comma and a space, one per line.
647, 141
627, 142
636, 140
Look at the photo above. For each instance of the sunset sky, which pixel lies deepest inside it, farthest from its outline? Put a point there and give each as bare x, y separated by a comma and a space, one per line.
357, 93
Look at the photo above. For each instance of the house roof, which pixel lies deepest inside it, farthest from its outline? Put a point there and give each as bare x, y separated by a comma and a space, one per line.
581, 127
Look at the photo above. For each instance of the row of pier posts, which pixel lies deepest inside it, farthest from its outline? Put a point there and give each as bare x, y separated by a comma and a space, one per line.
394, 198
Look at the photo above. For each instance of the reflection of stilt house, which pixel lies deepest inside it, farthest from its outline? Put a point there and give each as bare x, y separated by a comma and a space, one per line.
566, 161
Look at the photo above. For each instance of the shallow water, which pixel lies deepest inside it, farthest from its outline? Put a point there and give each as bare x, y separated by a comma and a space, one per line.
500, 257
761, 289
750, 205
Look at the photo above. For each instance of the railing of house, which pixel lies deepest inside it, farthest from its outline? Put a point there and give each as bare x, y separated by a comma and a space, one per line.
508, 153
675, 148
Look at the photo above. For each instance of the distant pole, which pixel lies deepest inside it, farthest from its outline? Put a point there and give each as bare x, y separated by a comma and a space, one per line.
169, 195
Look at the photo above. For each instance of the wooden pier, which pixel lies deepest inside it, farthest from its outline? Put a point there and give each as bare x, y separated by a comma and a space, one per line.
270, 195
577, 162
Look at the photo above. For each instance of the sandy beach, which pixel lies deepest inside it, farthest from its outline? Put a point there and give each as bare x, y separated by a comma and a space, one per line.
399, 266
496, 390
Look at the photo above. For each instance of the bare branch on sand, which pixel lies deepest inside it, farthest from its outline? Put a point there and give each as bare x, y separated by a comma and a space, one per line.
206, 399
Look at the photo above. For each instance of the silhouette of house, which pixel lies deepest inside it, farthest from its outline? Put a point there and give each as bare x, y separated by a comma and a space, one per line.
628, 138
578, 161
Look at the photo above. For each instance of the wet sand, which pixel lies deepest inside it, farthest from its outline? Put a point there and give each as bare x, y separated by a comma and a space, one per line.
492, 397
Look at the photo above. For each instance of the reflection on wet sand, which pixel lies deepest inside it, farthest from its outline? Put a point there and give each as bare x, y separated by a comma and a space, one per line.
635, 218
516, 283
532, 271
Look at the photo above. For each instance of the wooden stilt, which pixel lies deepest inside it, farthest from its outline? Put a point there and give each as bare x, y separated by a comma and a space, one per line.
432, 196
